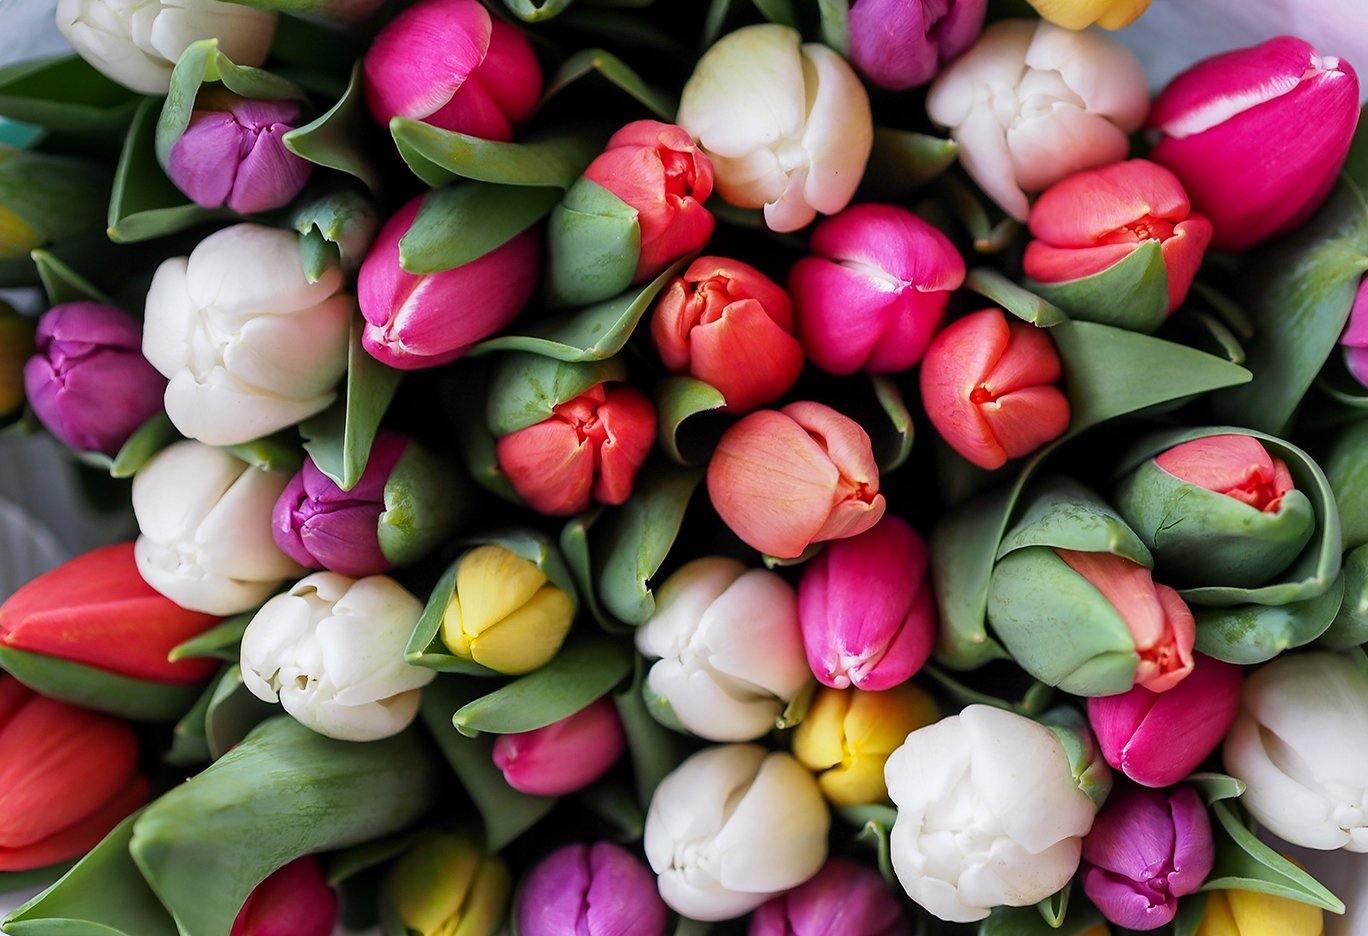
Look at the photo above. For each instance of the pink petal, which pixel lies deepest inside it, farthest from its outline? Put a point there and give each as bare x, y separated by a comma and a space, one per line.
1183, 254
746, 355
1088, 205
423, 56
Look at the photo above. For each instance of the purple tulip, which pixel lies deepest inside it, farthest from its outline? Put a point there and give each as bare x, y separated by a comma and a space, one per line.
1146, 849
899, 44
590, 890
236, 157
843, 897
89, 383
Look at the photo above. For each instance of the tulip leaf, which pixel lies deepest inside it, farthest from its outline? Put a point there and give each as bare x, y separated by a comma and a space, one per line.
1029, 921
988, 237
1245, 863
1346, 469
1216, 786
66, 96
531, 11
349, 862
875, 823
902, 161
598, 61
1021, 302
778, 11
653, 749
50, 198
335, 229
893, 439
438, 156
146, 441
331, 139
34, 879
189, 746
835, 24
616, 804
279, 452
1063, 514
1053, 908
233, 711
92, 688
462, 222
63, 284
678, 400
574, 546
219, 642
593, 245
1252, 633
525, 389
1132, 293
1188, 919
1349, 629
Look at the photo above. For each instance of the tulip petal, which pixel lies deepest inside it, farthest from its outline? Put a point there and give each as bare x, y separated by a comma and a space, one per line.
745, 332
450, 38
529, 635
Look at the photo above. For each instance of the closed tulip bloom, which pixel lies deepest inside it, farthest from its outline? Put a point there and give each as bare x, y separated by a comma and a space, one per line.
874, 291
727, 650
89, 383
989, 386
587, 451
294, 901
844, 897
785, 479
331, 652
900, 45
733, 826
1257, 136
786, 123
446, 884
596, 890
67, 776
1031, 103
1355, 337
564, 756
1080, 14
450, 64
1250, 913
729, 325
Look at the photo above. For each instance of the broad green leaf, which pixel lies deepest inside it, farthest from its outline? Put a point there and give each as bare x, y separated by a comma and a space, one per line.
1021, 302
63, 284
189, 746
438, 156
333, 138
1252, 633
67, 96
593, 243
279, 452
232, 712
1131, 293
98, 689
903, 161
526, 388
145, 203
219, 642
1245, 863
1028, 921
1346, 469
34, 879
349, 862
464, 221
335, 228
1349, 629
1063, 514
615, 71
835, 20
653, 749
678, 400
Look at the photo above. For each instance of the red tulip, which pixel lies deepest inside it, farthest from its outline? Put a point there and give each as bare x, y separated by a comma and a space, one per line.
294, 901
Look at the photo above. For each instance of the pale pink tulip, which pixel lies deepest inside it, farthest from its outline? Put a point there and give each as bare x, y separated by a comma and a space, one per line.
563, 756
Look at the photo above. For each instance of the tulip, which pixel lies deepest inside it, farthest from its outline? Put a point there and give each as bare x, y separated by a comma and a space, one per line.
331, 652
785, 479
847, 735
1031, 103
1250, 913
898, 45
1145, 850
729, 325
1080, 14
445, 884
249, 344
729, 656
1257, 136
137, 42
450, 64
866, 608
786, 123
564, 756
204, 518
16, 344
989, 814
234, 156
294, 901
600, 889
989, 388
844, 897
733, 826
589, 450
423, 320
1355, 337
1299, 746
67, 776
874, 291
505, 613
89, 383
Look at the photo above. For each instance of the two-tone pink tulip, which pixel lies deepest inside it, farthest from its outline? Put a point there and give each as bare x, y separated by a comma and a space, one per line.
563, 756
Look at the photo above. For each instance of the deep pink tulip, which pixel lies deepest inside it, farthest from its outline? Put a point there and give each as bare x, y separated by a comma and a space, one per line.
423, 320
1257, 136
843, 897
1355, 337
866, 609
294, 901
898, 44
1237, 466
564, 756
590, 890
875, 289
1158, 738
235, 156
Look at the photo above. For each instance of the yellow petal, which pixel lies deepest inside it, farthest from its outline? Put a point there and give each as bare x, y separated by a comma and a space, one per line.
857, 782
491, 583
1080, 14
819, 740
879, 722
529, 636
429, 884
1122, 13
488, 900
453, 635
1256, 914
17, 237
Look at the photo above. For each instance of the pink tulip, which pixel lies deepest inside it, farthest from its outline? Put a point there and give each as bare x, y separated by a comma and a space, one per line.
1257, 136
729, 325
875, 290
418, 320
294, 901
988, 386
1158, 738
900, 45
235, 156
866, 608
450, 64
785, 479
565, 756
1355, 337
843, 898
1237, 466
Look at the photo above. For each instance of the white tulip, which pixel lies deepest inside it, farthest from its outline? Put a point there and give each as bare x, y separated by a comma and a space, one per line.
1031, 103
249, 345
331, 651
989, 814
137, 42
732, 826
728, 648
786, 124
1300, 744
205, 523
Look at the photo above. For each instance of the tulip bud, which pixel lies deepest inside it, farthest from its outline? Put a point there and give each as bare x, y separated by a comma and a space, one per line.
785, 479
422, 320
989, 388
234, 156
875, 290
331, 652
1355, 337
450, 64
447, 884
728, 650
597, 889
1298, 744
898, 45
1250, 913
733, 826
564, 756
844, 897
505, 613
787, 123
729, 325
847, 735
89, 383
16, 344
589, 450
1080, 14
294, 901
67, 776
1031, 103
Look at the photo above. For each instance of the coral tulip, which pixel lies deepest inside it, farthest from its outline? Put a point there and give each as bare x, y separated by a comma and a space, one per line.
564, 756
898, 45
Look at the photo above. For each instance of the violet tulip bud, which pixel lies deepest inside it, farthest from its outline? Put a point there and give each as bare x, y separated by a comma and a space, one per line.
564, 756
600, 890
843, 897
899, 45
1355, 337
1146, 849
89, 383
875, 290
1257, 136
294, 901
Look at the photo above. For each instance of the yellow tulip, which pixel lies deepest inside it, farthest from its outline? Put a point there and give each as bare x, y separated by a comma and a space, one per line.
849, 733
505, 614
1247, 913
16, 345
1080, 14
446, 885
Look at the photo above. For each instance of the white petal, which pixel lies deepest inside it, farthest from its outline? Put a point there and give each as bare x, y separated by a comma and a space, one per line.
1104, 73
1317, 705
750, 181
1056, 144
746, 93
1015, 877
168, 318
189, 585
270, 636
705, 901
691, 803
994, 63
930, 763
178, 487
235, 538
705, 708
751, 632
791, 212
220, 411
839, 132
369, 722
681, 602
984, 155
250, 268
776, 838
296, 354
244, 34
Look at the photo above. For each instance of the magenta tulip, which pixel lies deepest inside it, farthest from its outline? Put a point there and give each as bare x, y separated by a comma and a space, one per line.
564, 756
590, 890
235, 156
900, 45
1355, 337
843, 897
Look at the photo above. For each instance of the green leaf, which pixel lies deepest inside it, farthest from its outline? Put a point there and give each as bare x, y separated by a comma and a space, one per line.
903, 161
574, 546
1021, 302
145, 203
526, 388
875, 823
58, 197
331, 139
778, 11
337, 227
616, 804
1346, 469
219, 642
988, 236
835, 20
63, 284
1053, 908
607, 65
593, 243
349, 862
893, 438
232, 712
653, 749
1350, 627
1252, 633
1245, 863
279, 452
35, 879
1216, 786
189, 747
678, 400
1028, 921
146, 441
438, 156
1191, 909
98, 689
530, 11
1131, 293
67, 96
463, 222
1062, 513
